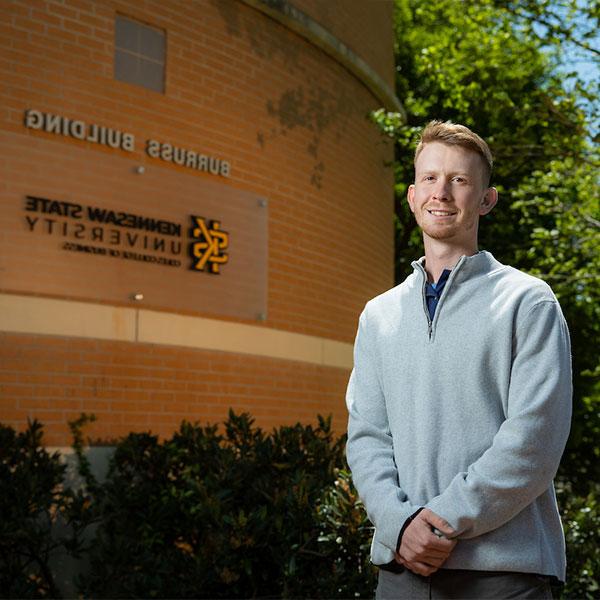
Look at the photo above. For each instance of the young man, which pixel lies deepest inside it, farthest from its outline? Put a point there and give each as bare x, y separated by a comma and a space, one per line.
460, 401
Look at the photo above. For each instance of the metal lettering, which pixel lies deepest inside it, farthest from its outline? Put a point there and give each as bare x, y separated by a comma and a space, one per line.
166, 151
115, 236
52, 124
178, 156
50, 223
202, 162
77, 129
34, 119
190, 161
93, 134
97, 234
153, 148
31, 222
127, 142
114, 138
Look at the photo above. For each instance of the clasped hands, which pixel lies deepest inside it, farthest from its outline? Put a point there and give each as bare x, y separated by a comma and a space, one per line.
421, 550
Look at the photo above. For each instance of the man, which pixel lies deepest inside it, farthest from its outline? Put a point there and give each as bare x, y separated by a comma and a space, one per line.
460, 401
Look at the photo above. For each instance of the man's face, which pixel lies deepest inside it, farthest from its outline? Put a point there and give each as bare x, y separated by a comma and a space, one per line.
449, 193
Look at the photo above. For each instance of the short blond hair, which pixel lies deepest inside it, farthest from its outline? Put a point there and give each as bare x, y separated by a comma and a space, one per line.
453, 134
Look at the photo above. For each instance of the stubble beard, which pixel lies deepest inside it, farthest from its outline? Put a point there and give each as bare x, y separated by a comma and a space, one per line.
446, 231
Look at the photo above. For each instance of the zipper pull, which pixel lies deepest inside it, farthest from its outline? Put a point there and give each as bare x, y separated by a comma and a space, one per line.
429, 328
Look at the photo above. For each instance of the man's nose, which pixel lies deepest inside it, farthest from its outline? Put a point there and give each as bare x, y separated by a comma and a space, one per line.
441, 190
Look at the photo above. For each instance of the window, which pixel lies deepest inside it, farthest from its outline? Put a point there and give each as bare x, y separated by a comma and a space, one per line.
139, 54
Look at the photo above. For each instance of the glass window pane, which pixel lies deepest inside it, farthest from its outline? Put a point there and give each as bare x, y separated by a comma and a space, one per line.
127, 67
139, 54
152, 44
127, 34
152, 75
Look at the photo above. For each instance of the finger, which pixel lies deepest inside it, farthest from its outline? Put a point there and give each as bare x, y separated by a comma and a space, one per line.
437, 522
423, 531
418, 552
421, 552
421, 557
434, 543
419, 547
420, 568
432, 561
416, 566
426, 540
428, 537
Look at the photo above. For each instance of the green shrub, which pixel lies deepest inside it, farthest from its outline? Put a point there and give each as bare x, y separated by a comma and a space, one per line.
239, 514
344, 542
32, 503
231, 513
581, 520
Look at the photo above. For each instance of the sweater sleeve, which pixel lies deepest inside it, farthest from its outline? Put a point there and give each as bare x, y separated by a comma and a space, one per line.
524, 456
370, 450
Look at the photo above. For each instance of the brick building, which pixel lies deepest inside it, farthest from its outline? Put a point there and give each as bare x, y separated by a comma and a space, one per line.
195, 207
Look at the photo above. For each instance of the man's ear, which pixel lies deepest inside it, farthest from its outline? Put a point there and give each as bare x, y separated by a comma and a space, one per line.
410, 196
488, 201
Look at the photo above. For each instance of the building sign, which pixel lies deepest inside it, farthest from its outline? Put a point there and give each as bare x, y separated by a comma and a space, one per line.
209, 252
105, 232
89, 226
123, 140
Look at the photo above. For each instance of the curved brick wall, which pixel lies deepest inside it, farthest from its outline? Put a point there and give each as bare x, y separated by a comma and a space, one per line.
293, 124
365, 27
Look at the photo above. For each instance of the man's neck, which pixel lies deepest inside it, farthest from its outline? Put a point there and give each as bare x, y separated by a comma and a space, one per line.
440, 255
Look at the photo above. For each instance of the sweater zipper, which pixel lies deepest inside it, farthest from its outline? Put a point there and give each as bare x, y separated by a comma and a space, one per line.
430, 322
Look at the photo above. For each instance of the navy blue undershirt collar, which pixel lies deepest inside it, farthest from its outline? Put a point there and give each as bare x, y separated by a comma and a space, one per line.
433, 291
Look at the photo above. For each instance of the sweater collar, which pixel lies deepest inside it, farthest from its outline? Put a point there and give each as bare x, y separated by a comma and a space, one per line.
467, 267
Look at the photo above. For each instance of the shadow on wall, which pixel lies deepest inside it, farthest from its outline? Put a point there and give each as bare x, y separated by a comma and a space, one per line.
310, 106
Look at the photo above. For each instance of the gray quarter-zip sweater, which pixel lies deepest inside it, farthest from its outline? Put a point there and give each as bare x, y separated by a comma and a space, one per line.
467, 415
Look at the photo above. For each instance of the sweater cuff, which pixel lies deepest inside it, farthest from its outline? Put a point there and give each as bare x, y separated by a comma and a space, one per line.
391, 520
406, 524
448, 513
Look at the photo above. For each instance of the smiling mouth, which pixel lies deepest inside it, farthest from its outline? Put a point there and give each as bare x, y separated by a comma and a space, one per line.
441, 213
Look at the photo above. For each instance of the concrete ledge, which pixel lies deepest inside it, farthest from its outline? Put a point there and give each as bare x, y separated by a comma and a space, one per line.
48, 316
197, 332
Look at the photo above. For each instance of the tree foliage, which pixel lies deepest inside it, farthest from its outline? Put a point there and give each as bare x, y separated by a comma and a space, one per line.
474, 63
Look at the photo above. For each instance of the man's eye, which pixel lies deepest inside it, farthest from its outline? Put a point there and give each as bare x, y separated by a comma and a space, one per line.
459, 179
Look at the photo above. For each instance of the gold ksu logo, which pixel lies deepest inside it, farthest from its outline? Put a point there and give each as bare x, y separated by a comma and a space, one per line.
207, 252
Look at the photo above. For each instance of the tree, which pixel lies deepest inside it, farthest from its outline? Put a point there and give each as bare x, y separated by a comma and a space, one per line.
469, 62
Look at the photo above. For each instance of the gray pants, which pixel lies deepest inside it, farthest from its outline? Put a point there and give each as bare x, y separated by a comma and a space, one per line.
461, 584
